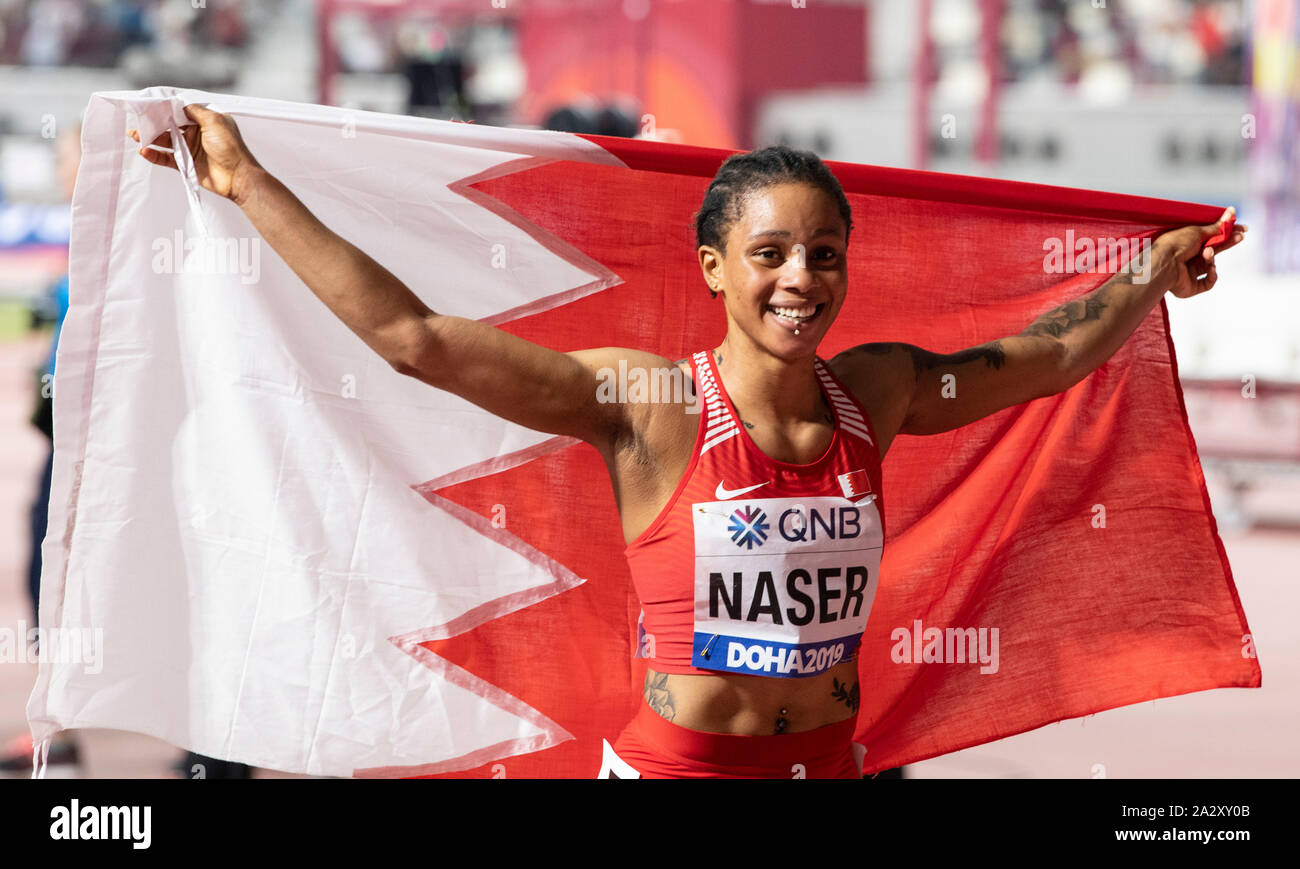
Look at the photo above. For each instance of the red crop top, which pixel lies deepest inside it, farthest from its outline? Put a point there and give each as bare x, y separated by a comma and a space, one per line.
757, 566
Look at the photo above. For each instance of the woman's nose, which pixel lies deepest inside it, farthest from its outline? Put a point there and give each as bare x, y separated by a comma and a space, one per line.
796, 274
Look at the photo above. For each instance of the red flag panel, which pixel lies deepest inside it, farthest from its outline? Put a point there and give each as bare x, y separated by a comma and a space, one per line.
1069, 540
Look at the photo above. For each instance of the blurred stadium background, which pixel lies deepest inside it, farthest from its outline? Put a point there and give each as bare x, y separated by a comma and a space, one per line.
1183, 99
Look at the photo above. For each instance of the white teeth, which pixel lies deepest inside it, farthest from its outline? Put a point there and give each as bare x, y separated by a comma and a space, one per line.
795, 313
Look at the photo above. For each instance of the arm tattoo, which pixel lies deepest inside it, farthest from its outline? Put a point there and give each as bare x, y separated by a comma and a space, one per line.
842, 692
924, 360
658, 695
1058, 321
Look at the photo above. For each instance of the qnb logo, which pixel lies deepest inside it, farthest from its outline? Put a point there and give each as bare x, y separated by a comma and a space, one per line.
801, 525
748, 527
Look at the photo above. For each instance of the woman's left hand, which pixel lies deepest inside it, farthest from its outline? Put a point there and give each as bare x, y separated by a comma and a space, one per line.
1184, 263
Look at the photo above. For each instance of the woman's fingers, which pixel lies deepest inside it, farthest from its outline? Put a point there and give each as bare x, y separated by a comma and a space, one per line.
158, 158
163, 140
152, 154
199, 113
1206, 283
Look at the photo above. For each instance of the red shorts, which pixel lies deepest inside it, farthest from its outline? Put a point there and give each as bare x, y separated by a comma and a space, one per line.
654, 747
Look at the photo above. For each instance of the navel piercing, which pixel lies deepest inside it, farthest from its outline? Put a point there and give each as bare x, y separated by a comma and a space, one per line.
796, 331
781, 722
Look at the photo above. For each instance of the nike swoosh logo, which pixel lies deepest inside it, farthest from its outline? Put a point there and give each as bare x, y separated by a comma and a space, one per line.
723, 494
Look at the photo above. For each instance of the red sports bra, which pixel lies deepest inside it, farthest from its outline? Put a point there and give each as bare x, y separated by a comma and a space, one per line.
757, 566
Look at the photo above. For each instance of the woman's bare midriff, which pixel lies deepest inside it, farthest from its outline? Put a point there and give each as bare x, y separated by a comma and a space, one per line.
754, 705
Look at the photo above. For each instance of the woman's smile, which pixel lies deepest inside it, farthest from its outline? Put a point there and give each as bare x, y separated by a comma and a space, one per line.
794, 317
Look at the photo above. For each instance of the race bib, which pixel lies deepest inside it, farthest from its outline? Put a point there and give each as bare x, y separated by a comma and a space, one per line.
783, 586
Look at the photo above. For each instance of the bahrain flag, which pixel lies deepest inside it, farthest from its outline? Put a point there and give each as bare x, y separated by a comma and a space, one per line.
267, 546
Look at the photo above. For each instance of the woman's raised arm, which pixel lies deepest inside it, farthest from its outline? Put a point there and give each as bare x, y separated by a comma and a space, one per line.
512, 378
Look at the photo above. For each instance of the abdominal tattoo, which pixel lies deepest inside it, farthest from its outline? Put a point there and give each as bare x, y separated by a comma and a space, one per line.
658, 695
660, 698
842, 692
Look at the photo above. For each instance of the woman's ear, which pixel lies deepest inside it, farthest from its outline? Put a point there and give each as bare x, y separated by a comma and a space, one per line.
710, 265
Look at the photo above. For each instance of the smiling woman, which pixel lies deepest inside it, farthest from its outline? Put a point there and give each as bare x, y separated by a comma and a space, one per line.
755, 528
758, 572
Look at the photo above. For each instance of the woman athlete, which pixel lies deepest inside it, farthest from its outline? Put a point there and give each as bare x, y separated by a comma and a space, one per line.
773, 234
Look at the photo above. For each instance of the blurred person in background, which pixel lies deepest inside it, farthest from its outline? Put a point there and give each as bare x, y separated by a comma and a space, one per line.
17, 753
53, 26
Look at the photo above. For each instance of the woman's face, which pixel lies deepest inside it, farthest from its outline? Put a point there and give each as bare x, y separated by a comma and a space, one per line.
785, 269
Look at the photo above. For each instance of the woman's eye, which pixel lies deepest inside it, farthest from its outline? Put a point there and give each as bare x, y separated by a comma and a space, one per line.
825, 254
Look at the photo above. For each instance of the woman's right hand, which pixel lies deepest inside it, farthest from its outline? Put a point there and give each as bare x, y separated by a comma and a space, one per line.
222, 161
